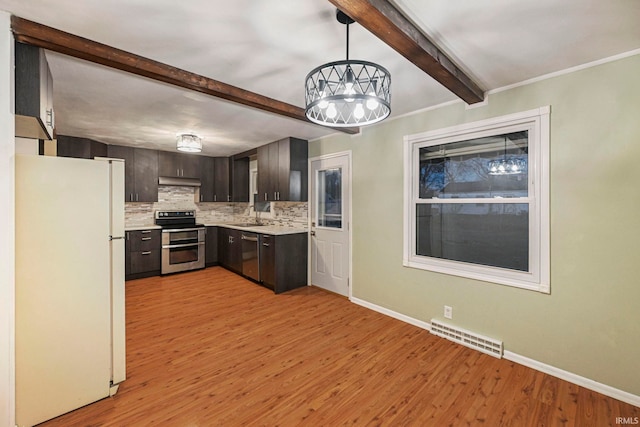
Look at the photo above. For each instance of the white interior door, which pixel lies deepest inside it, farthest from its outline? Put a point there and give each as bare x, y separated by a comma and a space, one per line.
330, 216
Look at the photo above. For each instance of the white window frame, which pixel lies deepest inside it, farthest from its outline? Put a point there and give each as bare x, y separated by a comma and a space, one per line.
536, 122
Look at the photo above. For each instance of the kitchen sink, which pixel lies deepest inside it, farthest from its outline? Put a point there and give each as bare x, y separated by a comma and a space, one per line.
246, 224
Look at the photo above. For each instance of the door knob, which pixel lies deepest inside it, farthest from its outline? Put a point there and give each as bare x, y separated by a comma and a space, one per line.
313, 233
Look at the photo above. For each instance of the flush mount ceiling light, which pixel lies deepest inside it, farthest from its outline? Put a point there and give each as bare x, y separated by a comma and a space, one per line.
347, 93
507, 166
189, 143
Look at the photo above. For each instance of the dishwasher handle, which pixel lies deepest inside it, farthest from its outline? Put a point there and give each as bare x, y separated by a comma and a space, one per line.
250, 238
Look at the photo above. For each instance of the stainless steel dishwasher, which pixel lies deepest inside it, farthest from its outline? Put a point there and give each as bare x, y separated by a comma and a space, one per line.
251, 256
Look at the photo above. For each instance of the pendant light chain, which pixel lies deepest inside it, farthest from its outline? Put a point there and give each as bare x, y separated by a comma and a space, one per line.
347, 41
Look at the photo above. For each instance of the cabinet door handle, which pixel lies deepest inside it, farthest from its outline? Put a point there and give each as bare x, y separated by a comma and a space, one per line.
265, 197
228, 198
136, 197
144, 239
50, 117
145, 253
131, 197
265, 244
201, 197
215, 197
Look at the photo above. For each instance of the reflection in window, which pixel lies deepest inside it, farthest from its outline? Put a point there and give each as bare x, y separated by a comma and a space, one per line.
495, 166
496, 235
330, 198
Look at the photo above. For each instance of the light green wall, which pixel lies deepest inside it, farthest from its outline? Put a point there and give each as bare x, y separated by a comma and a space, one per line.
590, 323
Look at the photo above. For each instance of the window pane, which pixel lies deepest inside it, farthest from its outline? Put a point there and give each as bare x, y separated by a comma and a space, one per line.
495, 166
481, 233
330, 198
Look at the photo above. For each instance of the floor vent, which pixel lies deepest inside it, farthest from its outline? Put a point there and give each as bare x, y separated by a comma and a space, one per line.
470, 339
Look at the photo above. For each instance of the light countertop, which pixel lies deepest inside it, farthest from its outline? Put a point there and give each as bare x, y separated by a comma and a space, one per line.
274, 230
142, 227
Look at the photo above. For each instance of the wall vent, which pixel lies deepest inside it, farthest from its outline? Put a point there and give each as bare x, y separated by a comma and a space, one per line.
470, 339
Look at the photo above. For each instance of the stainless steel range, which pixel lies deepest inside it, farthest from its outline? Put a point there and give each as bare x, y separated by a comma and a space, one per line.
182, 241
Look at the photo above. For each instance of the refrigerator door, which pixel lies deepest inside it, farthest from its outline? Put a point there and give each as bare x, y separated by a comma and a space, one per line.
118, 349
63, 315
117, 255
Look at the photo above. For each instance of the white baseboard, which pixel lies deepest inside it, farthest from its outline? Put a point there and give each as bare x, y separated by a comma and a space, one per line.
629, 398
391, 313
615, 393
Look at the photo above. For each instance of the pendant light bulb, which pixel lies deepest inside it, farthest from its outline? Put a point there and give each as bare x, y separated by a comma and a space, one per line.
322, 85
348, 85
331, 111
348, 90
372, 104
358, 112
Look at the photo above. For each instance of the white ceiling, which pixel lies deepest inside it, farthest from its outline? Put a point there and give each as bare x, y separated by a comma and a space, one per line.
268, 46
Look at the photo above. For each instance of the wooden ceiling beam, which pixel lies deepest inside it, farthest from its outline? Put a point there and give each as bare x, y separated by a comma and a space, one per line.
32, 33
387, 23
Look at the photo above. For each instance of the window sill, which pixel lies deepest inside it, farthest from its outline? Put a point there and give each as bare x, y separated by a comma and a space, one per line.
460, 269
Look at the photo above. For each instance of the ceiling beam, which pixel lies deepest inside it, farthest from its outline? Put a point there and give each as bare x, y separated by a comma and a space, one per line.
32, 33
387, 23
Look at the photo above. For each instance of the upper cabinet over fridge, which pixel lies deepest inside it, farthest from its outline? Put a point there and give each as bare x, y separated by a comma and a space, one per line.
34, 93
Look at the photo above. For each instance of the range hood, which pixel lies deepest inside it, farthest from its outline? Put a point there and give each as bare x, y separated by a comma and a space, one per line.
180, 182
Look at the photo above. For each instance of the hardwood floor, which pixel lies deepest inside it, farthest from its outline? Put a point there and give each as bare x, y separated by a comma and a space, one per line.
209, 348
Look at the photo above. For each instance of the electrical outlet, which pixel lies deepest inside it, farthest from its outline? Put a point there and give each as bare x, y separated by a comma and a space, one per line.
448, 312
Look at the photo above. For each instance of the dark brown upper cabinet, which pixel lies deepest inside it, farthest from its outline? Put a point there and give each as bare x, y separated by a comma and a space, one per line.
82, 148
283, 170
239, 179
207, 186
214, 179
34, 93
140, 172
222, 179
178, 165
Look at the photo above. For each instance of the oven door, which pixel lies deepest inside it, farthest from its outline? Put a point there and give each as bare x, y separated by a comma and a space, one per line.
182, 250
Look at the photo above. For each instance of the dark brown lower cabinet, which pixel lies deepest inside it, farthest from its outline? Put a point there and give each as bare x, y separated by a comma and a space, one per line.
211, 246
283, 261
230, 249
142, 253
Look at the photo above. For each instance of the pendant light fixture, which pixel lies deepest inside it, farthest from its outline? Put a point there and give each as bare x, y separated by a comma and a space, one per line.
189, 143
347, 93
510, 166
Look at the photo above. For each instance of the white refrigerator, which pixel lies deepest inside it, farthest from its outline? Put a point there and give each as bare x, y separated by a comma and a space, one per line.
70, 309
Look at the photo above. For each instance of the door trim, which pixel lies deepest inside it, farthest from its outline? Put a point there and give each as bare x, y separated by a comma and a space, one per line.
310, 192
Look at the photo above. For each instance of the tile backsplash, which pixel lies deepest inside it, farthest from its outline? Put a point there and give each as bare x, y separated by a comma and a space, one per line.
289, 214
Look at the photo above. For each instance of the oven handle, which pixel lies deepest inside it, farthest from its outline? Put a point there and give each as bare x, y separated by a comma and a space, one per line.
166, 230
249, 238
186, 245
